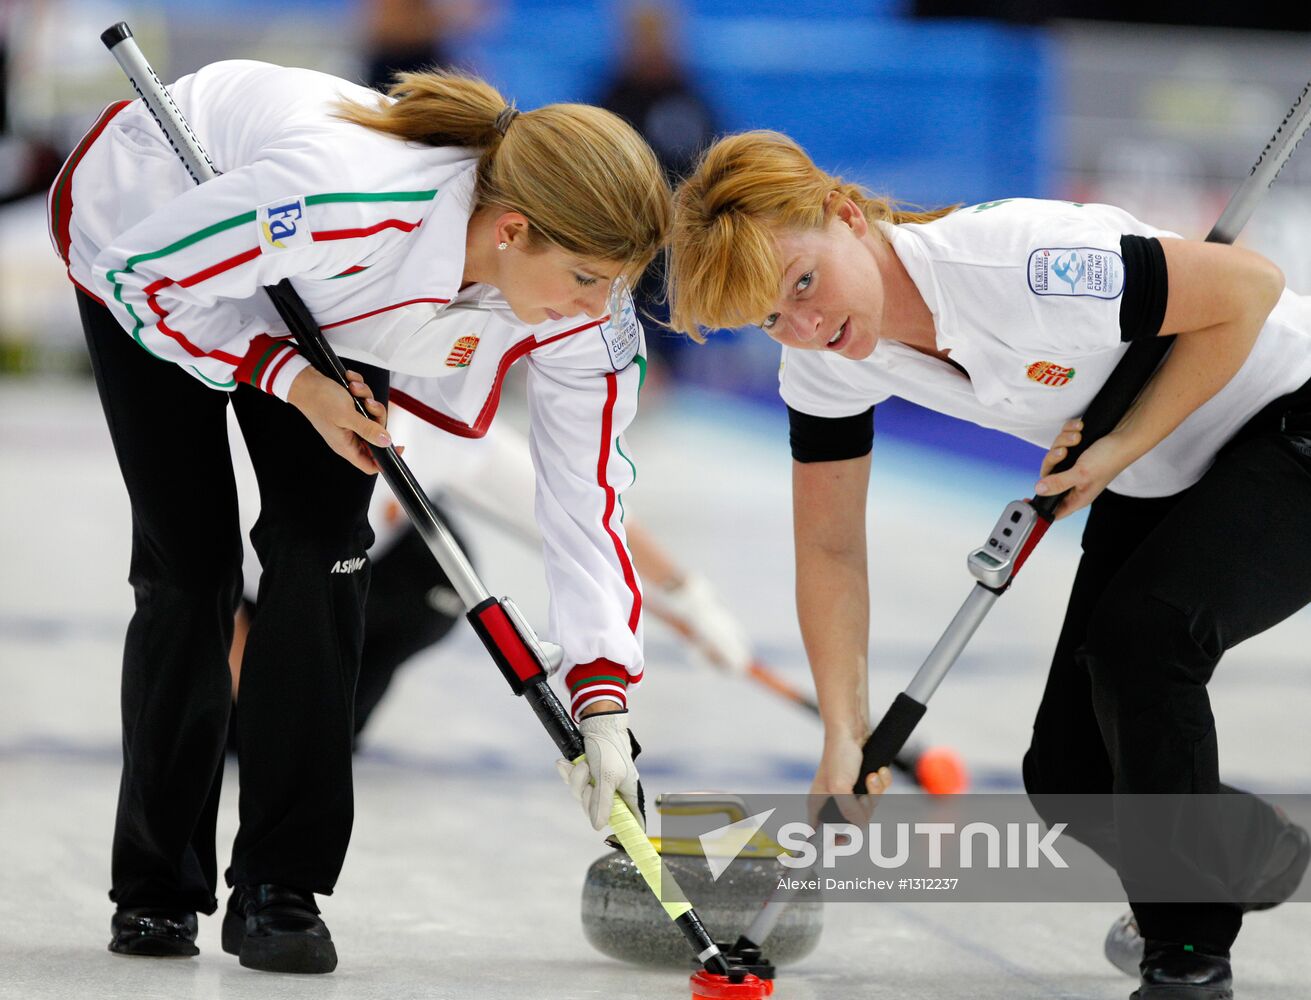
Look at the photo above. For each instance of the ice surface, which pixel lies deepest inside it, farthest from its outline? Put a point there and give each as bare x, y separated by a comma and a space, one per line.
468, 855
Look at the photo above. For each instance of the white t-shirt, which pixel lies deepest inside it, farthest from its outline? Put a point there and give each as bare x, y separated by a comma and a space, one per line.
1025, 294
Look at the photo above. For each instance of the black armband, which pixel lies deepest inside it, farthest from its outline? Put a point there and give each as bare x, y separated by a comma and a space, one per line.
830, 439
1146, 287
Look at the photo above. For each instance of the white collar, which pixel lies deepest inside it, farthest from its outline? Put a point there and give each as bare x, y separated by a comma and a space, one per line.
434, 261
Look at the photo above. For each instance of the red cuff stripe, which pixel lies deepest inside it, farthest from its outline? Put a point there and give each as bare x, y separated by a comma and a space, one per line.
590, 695
599, 680
262, 351
596, 671
290, 353
261, 366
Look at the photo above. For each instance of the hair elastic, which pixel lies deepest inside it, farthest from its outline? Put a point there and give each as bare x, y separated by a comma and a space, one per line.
503, 120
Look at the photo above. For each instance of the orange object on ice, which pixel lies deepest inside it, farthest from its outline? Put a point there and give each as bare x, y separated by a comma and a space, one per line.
940, 771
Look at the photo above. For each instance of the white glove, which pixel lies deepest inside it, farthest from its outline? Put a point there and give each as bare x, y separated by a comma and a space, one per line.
694, 610
607, 768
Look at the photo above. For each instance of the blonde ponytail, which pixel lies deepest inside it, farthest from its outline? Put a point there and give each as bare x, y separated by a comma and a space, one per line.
723, 263
584, 179
436, 108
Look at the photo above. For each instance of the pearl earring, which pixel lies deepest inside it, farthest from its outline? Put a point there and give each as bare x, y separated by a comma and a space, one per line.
502, 245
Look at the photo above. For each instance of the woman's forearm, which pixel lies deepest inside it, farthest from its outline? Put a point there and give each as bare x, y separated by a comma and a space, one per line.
1220, 296
828, 511
833, 610
1198, 366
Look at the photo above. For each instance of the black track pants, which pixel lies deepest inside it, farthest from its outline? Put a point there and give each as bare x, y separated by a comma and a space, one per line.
302, 657
1165, 586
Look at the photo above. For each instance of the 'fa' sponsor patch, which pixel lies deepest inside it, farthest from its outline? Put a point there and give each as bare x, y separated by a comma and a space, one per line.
283, 225
623, 336
1076, 271
462, 353
1050, 373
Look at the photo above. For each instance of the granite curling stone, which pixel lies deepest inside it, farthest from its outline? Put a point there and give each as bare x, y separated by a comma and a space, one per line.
623, 919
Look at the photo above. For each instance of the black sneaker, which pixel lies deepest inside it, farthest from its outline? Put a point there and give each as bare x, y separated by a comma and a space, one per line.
1177, 972
275, 928
153, 933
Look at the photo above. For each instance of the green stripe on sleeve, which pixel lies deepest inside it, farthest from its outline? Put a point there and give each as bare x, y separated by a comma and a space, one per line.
623, 512
245, 218
582, 681
196, 237
229, 384
136, 329
626, 459
324, 199
264, 360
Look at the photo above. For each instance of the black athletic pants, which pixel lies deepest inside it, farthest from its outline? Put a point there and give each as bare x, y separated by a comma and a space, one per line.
302, 657
1165, 586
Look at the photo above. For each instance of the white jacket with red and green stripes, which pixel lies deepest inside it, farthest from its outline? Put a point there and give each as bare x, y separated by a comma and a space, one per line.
371, 232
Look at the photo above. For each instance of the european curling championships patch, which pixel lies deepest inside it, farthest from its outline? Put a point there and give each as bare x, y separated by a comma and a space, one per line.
1076, 271
622, 337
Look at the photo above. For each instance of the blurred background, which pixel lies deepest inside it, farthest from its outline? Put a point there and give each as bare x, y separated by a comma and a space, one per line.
933, 102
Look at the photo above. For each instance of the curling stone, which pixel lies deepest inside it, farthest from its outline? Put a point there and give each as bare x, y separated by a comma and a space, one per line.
623, 919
